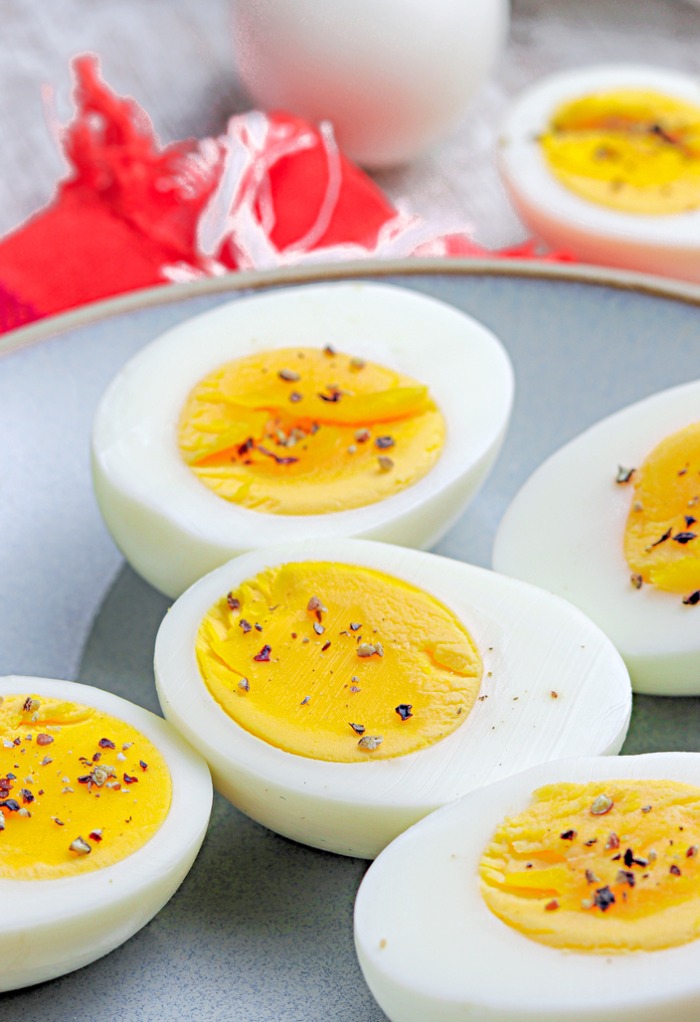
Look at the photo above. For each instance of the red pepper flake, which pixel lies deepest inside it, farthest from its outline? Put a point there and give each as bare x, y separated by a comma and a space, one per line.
684, 537
692, 599
613, 841
384, 442
95, 835
333, 397
552, 905
128, 779
11, 804
362, 435
245, 625
105, 743
287, 460
674, 870
27, 796
315, 606
662, 539
404, 710
233, 602
258, 628
591, 878
355, 626
692, 852
144, 766
42, 739
554, 695
246, 446
636, 581
359, 729
646, 809
568, 835
325, 647
264, 653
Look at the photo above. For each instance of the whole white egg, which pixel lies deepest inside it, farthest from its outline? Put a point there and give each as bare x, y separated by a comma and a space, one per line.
390, 75
665, 244
430, 948
53, 926
564, 531
173, 529
553, 685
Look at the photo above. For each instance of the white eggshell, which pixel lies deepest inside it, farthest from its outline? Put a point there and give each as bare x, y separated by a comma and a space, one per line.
172, 529
333, 61
531, 644
430, 948
50, 927
667, 245
564, 531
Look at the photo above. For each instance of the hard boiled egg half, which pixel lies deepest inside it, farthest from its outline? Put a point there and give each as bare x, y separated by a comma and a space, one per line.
103, 808
604, 162
342, 689
610, 522
333, 410
568, 891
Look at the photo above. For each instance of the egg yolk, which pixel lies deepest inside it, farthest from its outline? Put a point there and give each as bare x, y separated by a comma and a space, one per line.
79, 789
301, 431
631, 150
338, 662
661, 535
601, 867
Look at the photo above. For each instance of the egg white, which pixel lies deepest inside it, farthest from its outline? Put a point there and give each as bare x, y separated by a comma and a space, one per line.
50, 927
173, 529
565, 528
667, 245
430, 948
531, 643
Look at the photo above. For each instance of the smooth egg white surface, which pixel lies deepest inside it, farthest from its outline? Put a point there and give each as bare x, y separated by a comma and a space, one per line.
667, 245
51, 927
565, 528
531, 643
173, 529
430, 948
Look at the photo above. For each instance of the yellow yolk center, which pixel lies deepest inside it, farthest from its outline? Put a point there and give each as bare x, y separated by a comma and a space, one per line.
662, 538
309, 431
79, 789
338, 662
600, 867
631, 150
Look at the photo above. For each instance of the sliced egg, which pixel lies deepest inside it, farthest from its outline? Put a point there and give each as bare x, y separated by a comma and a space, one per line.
604, 162
582, 527
342, 689
568, 891
103, 808
383, 428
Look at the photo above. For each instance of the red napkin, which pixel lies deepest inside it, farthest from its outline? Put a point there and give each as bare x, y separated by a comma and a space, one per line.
273, 190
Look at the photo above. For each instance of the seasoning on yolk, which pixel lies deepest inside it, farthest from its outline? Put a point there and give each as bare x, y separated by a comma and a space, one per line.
79, 789
316, 419
600, 867
338, 662
662, 538
631, 150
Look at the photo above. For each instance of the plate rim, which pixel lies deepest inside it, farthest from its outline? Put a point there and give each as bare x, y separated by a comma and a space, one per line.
254, 280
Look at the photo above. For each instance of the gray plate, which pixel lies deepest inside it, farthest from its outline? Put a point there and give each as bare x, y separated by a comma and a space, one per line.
261, 930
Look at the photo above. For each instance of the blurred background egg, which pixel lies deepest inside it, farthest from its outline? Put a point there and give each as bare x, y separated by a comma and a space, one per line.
390, 76
536, 681
430, 947
565, 531
603, 162
173, 528
103, 808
